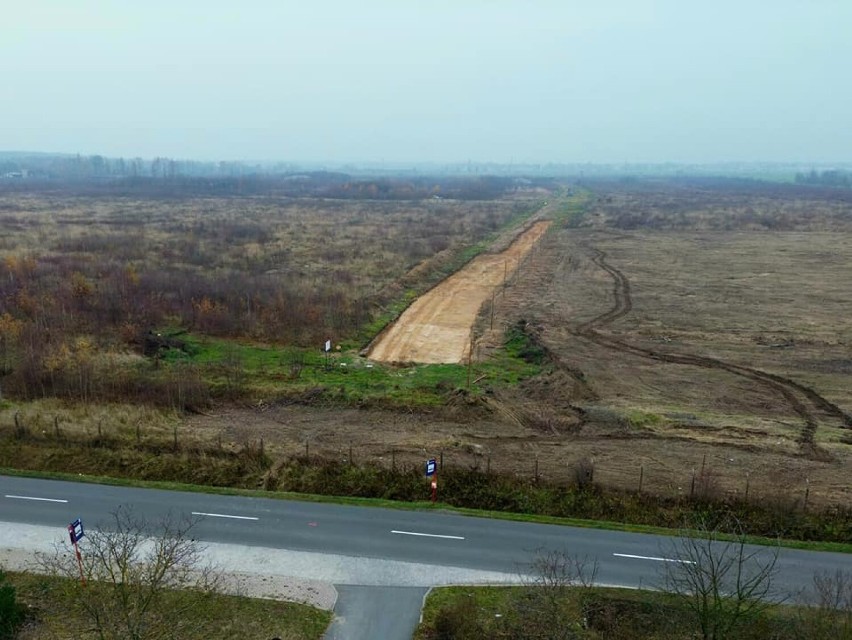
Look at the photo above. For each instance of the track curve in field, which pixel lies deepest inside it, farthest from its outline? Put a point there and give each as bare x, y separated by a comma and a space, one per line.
802, 399
436, 327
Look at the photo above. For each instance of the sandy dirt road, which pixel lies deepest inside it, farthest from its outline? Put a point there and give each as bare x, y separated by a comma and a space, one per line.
436, 327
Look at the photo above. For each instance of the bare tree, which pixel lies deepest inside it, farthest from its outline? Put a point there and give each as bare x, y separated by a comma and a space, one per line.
557, 570
141, 579
829, 616
542, 609
726, 583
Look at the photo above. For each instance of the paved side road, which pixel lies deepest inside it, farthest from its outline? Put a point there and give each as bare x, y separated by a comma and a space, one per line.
370, 613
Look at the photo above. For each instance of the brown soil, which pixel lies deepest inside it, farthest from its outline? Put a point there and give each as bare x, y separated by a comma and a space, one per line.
436, 328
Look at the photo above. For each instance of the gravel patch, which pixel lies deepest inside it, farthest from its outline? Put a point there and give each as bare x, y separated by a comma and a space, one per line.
262, 572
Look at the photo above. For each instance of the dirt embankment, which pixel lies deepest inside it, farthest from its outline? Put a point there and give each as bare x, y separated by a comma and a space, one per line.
436, 327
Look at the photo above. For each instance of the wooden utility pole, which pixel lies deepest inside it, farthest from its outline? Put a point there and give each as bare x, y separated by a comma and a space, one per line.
505, 275
469, 361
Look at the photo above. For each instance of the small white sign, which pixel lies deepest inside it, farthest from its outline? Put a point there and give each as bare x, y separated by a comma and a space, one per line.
328, 345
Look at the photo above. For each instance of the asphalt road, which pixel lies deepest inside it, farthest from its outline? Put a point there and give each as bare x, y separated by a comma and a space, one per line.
440, 540
376, 612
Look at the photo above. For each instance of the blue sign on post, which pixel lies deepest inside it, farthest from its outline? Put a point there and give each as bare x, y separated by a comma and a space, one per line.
431, 465
75, 531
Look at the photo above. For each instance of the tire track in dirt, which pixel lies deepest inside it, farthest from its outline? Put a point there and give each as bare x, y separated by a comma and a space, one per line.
785, 387
620, 291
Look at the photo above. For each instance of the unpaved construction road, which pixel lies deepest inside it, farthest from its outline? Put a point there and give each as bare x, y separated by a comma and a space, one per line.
436, 327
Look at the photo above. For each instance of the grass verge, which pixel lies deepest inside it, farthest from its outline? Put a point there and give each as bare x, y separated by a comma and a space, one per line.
49, 615
592, 613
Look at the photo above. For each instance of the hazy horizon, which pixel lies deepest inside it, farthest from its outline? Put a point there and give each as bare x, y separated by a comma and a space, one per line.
509, 82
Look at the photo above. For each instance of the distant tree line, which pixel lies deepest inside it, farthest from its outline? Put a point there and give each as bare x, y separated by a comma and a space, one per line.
830, 178
170, 178
79, 167
418, 188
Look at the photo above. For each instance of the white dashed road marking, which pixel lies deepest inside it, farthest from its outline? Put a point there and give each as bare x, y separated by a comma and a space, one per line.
654, 558
427, 535
223, 515
32, 498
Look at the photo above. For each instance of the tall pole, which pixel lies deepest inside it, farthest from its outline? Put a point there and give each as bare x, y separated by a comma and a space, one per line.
80, 564
469, 361
75, 536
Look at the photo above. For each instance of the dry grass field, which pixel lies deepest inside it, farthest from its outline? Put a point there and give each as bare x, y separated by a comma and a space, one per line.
276, 269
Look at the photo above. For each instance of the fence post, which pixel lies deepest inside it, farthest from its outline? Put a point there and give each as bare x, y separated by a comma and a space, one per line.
441, 461
641, 476
536, 469
692, 487
747, 487
350, 455
807, 493
175, 438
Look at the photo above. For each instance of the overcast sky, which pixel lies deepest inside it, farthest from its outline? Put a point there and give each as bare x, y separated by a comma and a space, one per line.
406, 81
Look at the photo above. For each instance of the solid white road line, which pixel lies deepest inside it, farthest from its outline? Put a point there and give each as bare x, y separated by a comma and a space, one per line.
427, 535
627, 555
223, 515
32, 498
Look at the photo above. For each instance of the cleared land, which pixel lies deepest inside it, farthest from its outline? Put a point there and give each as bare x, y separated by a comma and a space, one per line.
706, 343
436, 328
722, 347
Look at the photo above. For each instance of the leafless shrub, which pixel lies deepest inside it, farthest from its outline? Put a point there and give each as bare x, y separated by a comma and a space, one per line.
829, 616
707, 486
541, 611
21, 430
558, 570
584, 473
725, 583
140, 578
296, 359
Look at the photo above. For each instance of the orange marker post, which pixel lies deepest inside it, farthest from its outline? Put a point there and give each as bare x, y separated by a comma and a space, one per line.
75, 532
432, 472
